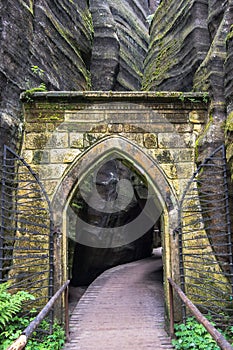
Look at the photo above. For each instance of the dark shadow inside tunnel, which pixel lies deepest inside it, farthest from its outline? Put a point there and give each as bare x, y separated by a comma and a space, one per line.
110, 221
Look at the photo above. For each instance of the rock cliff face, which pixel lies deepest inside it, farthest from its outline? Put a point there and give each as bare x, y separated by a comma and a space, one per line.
229, 65
229, 69
120, 44
187, 51
179, 40
56, 37
66, 39
229, 101
211, 74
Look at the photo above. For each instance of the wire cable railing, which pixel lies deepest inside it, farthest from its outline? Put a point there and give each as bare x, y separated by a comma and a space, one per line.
216, 335
205, 240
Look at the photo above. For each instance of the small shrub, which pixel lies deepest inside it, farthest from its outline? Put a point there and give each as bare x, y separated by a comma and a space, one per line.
193, 335
12, 325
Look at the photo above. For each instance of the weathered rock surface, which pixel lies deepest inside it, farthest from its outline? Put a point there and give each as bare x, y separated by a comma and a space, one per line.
61, 44
179, 41
211, 74
229, 103
229, 66
187, 51
120, 43
56, 37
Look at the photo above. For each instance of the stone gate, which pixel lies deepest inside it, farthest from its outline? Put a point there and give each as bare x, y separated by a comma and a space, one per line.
67, 133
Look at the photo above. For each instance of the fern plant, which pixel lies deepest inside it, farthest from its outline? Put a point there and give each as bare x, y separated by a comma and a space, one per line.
11, 304
12, 324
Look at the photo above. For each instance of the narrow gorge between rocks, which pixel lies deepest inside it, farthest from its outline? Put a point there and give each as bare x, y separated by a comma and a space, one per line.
107, 221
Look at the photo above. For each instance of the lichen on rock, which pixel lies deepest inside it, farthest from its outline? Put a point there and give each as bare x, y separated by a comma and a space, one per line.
178, 44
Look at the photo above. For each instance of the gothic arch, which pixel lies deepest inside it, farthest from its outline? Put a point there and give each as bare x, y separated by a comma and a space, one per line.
101, 150
145, 165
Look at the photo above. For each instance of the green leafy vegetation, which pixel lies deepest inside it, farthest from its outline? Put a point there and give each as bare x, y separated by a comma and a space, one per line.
205, 98
12, 324
193, 335
37, 71
10, 304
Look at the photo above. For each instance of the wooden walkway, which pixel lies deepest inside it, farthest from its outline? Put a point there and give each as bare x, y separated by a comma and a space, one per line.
123, 309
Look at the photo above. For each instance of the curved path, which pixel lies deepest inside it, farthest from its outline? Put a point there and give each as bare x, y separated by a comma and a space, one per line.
123, 309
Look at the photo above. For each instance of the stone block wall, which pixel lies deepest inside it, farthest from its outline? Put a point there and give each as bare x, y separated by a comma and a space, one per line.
60, 127
157, 132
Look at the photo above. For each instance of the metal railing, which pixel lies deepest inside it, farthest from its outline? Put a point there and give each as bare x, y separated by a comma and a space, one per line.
216, 335
205, 240
21, 341
26, 233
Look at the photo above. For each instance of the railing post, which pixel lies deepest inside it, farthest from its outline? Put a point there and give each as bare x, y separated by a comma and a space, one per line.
171, 302
67, 314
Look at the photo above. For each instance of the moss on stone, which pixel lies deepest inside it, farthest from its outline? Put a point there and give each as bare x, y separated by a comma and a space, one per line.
158, 68
87, 21
229, 123
230, 34
203, 135
28, 5
228, 133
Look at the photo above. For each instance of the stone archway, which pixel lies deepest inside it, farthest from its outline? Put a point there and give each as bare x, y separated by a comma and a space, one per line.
145, 165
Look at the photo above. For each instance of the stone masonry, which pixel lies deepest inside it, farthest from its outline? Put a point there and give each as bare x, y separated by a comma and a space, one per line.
67, 132
59, 127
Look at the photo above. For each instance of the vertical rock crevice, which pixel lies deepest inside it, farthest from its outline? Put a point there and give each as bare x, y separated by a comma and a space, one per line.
120, 44
210, 76
187, 51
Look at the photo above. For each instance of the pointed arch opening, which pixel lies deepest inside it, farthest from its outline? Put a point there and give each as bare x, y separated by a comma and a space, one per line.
114, 205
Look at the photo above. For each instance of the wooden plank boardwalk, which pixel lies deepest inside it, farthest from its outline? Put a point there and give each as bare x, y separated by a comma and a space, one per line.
123, 309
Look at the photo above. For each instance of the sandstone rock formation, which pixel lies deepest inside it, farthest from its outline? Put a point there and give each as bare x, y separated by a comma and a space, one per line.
211, 74
187, 51
229, 103
179, 41
120, 44
229, 69
56, 37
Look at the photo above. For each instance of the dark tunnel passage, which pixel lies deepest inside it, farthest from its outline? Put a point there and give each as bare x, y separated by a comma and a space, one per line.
110, 197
